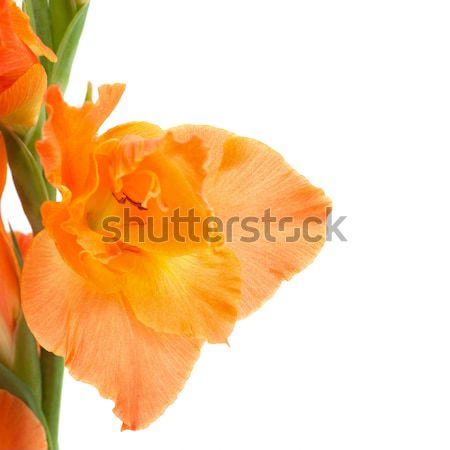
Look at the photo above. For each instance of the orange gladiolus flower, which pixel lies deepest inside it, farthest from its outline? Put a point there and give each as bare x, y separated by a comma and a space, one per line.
130, 316
19, 428
22, 78
9, 281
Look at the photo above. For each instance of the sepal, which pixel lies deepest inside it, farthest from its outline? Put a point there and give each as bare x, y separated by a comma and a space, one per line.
11, 383
28, 177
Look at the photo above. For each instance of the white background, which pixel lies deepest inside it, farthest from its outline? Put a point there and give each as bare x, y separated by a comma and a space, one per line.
353, 353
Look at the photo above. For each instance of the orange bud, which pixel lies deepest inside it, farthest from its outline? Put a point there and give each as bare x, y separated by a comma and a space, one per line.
23, 80
19, 427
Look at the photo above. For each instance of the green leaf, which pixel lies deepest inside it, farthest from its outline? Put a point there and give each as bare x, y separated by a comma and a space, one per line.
12, 384
34, 135
88, 96
39, 14
27, 176
61, 13
67, 49
27, 364
52, 368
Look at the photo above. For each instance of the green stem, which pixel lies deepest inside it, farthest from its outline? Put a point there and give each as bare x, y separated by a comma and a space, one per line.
52, 368
26, 363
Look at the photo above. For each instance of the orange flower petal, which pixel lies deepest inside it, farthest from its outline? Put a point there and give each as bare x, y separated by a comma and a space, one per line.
19, 427
23, 30
156, 177
213, 139
70, 129
6, 29
141, 370
21, 102
3, 165
15, 60
142, 129
24, 242
15, 57
250, 178
192, 295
